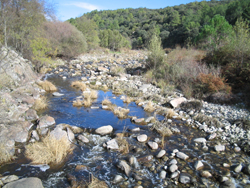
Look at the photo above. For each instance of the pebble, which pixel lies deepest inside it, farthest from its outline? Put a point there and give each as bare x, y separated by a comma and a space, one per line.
200, 140
161, 154
206, 174
198, 165
219, 148
182, 155
153, 145
238, 168
142, 138
163, 174
173, 168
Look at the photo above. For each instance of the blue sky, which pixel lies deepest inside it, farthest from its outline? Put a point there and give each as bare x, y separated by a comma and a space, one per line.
66, 9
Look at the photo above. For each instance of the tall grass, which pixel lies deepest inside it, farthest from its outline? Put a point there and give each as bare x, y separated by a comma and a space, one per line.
41, 103
5, 155
50, 150
47, 86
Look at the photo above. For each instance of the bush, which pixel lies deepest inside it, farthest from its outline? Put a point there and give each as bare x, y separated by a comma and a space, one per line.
208, 83
65, 39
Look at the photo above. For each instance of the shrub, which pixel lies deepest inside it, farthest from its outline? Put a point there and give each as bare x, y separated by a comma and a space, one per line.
5, 156
41, 103
208, 83
47, 86
121, 113
49, 150
65, 38
79, 85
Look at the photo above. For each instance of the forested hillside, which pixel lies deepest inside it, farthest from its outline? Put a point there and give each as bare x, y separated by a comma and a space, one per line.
175, 25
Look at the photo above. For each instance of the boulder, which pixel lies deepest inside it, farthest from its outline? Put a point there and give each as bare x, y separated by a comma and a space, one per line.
104, 130
25, 183
176, 102
31, 115
46, 121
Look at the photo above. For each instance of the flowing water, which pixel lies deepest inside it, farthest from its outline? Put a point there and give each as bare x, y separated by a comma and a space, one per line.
95, 160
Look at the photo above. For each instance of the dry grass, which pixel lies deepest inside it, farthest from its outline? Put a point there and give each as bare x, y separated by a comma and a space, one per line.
121, 113
41, 103
106, 102
138, 101
127, 100
105, 88
170, 113
149, 107
79, 85
47, 86
93, 94
78, 103
50, 150
96, 183
87, 102
5, 156
117, 91
123, 145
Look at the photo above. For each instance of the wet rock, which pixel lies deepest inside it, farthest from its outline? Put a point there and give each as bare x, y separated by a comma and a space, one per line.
71, 135
161, 154
123, 165
35, 135
104, 130
223, 179
211, 136
57, 94
153, 145
139, 121
83, 139
163, 174
176, 102
76, 130
227, 184
173, 168
46, 121
133, 162
238, 168
142, 138
10, 178
112, 144
25, 183
219, 148
246, 169
185, 178
206, 174
173, 161
198, 165
237, 149
200, 140
182, 155
146, 159
174, 175
118, 179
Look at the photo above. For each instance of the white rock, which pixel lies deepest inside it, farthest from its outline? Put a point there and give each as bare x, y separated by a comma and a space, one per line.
104, 130
219, 147
142, 138
112, 144
200, 140
198, 165
153, 145
184, 178
71, 135
161, 154
206, 174
163, 174
118, 179
173, 161
182, 155
173, 168
57, 94
83, 139
238, 168
35, 135
176, 102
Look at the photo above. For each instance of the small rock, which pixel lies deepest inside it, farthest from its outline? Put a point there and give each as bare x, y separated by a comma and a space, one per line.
173, 168
142, 138
182, 155
57, 94
200, 140
139, 121
161, 154
174, 175
83, 139
185, 178
163, 174
238, 168
237, 149
104, 130
212, 136
173, 161
112, 144
206, 174
118, 179
35, 135
153, 145
198, 165
123, 165
219, 147
176, 102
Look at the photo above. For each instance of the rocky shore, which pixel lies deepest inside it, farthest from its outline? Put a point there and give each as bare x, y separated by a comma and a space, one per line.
220, 131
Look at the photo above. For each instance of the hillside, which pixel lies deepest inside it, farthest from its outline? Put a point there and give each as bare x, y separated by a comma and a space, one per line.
175, 25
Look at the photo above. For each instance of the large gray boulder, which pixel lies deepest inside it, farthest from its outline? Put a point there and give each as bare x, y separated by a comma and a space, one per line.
25, 183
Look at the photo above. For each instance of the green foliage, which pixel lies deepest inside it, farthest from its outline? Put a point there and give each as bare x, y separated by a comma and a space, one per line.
89, 30
113, 40
213, 35
40, 47
156, 53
